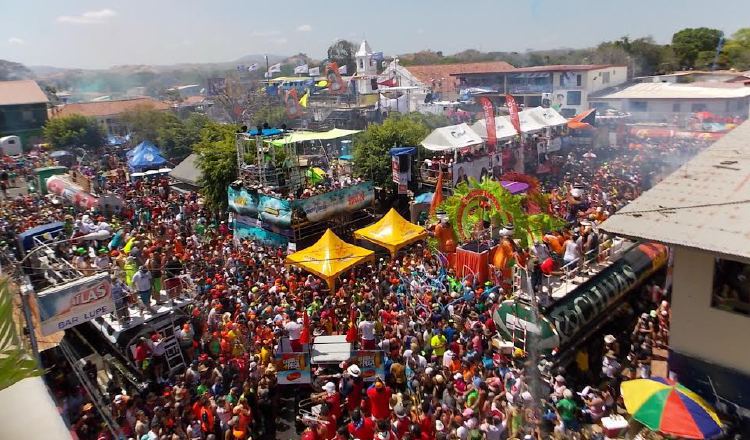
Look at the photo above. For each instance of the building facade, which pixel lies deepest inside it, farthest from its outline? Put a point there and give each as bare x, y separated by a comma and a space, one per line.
108, 113
566, 88
701, 211
23, 110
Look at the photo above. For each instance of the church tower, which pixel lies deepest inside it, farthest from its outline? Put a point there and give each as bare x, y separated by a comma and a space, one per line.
367, 68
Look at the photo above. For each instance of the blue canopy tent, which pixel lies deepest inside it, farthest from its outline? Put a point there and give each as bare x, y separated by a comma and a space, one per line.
146, 159
266, 132
145, 145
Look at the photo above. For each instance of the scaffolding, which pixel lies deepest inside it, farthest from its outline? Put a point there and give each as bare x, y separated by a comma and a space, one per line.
273, 167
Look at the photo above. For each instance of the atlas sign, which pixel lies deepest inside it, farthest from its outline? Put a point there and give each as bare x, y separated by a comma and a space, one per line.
75, 303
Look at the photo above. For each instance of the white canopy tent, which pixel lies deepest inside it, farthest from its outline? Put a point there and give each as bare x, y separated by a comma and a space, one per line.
503, 128
529, 124
29, 412
532, 120
452, 137
548, 117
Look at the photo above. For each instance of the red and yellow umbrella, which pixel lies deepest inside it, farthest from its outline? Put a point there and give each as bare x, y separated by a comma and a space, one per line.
668, 407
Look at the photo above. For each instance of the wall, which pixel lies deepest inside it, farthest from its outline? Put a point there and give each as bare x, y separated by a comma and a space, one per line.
665, 107
18, 118
593, 79
697, 329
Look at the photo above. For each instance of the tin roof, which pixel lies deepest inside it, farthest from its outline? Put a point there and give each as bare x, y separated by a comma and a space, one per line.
705, 204
660, 90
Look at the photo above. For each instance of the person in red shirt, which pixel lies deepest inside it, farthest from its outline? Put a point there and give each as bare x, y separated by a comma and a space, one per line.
331, 397
402, 422
353, 386
380, 397
426, 423
384, 431
362, 428
142, 352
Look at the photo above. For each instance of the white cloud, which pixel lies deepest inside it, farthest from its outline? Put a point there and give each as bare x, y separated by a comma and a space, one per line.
304, 28
16, 41
264, 34
88, 17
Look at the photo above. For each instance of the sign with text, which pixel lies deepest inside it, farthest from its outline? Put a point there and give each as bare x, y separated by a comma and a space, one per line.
370, 363
75, 303
292, 368
327, 205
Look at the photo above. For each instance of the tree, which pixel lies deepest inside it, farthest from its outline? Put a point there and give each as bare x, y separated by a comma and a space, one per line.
273, 115
371, 159
143, 123
690, 42
737, 49
74, 131
217, 160
342, 52
176, 137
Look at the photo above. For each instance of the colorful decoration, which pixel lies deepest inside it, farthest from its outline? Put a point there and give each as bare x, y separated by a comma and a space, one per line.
668, 407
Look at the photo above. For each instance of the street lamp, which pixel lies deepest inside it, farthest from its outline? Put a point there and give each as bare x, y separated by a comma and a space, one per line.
27, 289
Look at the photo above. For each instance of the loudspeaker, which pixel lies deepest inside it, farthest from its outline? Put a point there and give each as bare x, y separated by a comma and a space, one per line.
403, 164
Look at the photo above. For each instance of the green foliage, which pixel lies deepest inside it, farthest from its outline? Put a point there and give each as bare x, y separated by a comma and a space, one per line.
217, 160
342, 52
174, 136
74, 131
527, 227
690, 42
15, 361
737, 49
274, 115
144, 122
370, 148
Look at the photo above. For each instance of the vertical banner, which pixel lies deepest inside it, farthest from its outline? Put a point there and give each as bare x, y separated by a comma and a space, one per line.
292, 105
489, 118
292, 368
336, 85
394, 169
510, 102
370, 363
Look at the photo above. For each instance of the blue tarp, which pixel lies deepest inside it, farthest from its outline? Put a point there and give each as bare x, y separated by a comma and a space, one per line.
26, 238
424, 198
265, 132
148, 145
146, 158
403, 151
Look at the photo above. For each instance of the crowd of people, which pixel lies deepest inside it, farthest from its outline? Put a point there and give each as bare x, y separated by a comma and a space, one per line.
445, 375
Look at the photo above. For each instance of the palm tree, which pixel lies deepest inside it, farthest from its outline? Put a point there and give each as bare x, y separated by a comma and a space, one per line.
16, 363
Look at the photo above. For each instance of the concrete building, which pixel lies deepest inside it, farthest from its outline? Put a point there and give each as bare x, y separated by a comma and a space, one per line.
660, 101
566, 88
367, 68
107, 113
23, 110
702, 211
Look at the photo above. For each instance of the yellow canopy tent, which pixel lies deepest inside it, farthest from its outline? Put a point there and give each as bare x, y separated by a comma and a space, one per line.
392, 232
329, 257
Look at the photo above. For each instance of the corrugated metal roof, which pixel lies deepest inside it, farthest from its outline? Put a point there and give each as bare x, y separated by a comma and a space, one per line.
705, 204
678, 91
21, 92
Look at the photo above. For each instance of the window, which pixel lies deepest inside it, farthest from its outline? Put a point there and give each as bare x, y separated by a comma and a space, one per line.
676, 107
731, 287
27, 115
698, 107
605, 77
638, 106
578, 80
574, 98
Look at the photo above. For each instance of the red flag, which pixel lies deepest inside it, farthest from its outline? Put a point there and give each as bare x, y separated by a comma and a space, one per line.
291, 103
513, 109
304, 336
336, 85
437, 198
351, 333
489, 118
389, 83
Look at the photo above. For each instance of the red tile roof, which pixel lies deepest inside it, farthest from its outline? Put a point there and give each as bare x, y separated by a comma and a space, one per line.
565, 68
21, 92
440, 74
108, 108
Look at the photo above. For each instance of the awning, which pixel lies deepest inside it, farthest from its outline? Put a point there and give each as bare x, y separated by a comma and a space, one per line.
303, 136
452, 137
403, 151
329, 257
392, 232
529, 124
503, 128
548, 117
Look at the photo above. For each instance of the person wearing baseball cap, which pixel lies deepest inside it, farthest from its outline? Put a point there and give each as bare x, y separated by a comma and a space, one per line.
380, 396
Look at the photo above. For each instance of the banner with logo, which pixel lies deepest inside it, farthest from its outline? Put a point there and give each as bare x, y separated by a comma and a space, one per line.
510, 102
252, 204
395, 169
329, 204
292, 368
243, 202
248, 227
74, 303
370, 363
489, 118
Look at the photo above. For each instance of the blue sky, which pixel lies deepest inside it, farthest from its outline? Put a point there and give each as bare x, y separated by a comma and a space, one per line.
95, 33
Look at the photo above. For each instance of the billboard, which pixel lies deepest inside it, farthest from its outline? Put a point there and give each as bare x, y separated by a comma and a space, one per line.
292, 368
74, 303
248, 227
370, 363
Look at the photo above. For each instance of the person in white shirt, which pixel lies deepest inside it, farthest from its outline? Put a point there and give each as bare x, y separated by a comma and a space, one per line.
142, 283
294, 329
367, 330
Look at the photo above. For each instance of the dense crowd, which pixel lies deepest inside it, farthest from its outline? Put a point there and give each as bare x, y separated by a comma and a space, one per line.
445, 377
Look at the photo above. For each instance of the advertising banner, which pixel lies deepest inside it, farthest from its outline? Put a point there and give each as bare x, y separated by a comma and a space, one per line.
292, 368
489, 118
247, 227
370, 363
329, 204
71, 192
510, 102
75, 303
477, 168
252, 204
394, 169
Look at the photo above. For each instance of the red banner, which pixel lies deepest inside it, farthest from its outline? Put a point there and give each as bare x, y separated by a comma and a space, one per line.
291, 103
336, 85
513, 109
489, 118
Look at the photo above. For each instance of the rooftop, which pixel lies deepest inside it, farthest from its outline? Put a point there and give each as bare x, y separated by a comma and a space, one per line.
443, 73
550, 68
704, 205
108, 108
21, 92
702, 90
